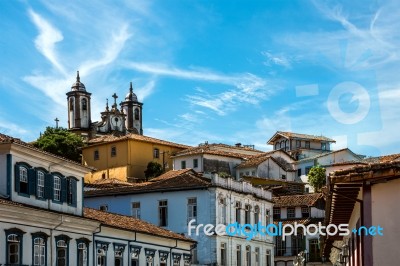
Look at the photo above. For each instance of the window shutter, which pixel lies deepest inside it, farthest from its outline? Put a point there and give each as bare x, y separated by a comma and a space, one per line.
64, 188
32, 181
48, 186
74, 191
16, 179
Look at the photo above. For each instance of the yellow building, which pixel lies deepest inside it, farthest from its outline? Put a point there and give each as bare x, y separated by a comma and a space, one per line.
126, 158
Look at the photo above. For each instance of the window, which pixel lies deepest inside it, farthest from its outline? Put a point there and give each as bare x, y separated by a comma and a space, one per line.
237, 213
23, 180
277, 146
82, 253
40, 185
238, 255
163, 255
248, 256
256, 214
149, 256
283, 176
267, 216
195, 163
118, 254
62, 253
14, 248
192, 209
137, 114
183, 164
268, 258
39, 249
156, 153
163, 212
314, 254
113, 151
103, 207
136, 210
291, 213
299, 172
84, 104
57, 188
223, 254
280, 246
247, 209
96, 155
297, 244
71, 191
277, 213
305, 212
307, 144
222, 210
323, 146
176, 259
101, 253
135, 252
298, 143
187, 259
71, 104
257, 256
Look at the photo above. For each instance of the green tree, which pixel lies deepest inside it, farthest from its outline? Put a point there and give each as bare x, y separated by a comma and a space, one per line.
154, 169
317, 177
62, 142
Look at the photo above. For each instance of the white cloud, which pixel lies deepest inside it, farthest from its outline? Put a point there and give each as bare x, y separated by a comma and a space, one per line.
277, 59
47, 38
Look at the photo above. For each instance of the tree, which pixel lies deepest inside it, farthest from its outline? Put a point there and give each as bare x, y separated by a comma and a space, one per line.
154, 169
62, 142
317, 177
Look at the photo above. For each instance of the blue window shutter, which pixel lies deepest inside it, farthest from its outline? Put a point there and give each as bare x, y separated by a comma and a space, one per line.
74, 191
48, 186
64, 188
16, 179
32, 181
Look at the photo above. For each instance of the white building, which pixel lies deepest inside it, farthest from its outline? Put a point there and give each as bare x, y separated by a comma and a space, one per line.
177, 197
43, 221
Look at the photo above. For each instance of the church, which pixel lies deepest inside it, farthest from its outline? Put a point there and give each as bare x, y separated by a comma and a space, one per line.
117, 120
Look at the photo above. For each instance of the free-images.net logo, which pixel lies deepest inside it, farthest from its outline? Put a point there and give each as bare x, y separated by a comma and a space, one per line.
252, 230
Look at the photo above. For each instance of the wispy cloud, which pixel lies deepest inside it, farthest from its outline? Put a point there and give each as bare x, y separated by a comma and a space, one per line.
277, 59
47, 38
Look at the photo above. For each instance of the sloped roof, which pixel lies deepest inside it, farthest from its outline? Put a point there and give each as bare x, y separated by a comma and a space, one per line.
112, 138
291, 135
305, 221
107, 183
297, 200
213, 149
258, 159
185, 181
172, 174
327, 153
8, 139
382, 159
131, 224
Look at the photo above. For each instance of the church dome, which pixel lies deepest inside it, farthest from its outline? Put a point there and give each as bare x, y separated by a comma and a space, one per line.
131, 96
78, 85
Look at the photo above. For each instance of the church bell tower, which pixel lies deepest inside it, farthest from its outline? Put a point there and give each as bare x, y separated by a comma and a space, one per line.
133, 111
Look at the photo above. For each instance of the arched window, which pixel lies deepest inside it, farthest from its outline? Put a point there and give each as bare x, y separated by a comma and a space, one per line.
136, 114
71, 104
39, 251
84, 104
82, 254
40, 184
62, 253
23, 180
13, 248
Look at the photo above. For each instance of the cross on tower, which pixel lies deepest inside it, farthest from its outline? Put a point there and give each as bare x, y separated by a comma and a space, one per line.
115, 98
56, 122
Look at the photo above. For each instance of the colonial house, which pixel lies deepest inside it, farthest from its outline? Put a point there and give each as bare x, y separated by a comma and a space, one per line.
43, 221
305, 210
180, 196
209, 158
126, 157
366, 198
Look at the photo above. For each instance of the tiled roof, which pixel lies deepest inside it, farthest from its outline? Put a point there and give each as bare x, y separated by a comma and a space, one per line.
258, 159
213, 149
305, 221
130, 223
369, 171
382, 159
111, 138
299, 136
185, 181
297, 200
108, 183
172, 174
325, 154
9, 139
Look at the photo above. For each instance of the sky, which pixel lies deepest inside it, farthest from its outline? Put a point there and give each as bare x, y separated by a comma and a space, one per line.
217, 71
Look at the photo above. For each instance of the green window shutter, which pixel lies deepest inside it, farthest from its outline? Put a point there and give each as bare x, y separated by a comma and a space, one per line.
64, 189
74, 191
16, 179
32, 181
48, 186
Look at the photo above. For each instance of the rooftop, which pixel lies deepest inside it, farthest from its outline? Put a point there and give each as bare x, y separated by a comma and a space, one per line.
131, 224
258, 159
111, 138
221, 150
297, 200
292, 135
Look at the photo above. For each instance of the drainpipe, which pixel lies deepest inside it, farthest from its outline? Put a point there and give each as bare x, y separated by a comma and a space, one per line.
94, 243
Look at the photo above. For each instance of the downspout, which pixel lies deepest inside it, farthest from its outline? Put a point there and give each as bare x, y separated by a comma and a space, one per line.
94, 243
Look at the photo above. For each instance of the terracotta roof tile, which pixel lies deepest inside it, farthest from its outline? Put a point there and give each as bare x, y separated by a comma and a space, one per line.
111, 138
172, 174
297, 200
108, 183
299, 136
258, 159
368, 171
305, 221
382, 159
219, 149
130, 223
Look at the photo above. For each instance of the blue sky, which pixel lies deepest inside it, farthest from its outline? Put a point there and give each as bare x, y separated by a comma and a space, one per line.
216, 71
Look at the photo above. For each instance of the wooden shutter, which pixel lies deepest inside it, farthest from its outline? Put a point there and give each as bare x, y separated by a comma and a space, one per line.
64, 189
16, 177
31, 181
48, 186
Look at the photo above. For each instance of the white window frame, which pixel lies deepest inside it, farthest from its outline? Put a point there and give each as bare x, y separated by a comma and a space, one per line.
57, 188
191, 209
136, 209
40, 184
